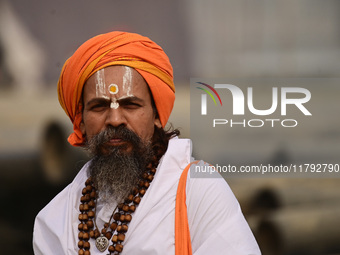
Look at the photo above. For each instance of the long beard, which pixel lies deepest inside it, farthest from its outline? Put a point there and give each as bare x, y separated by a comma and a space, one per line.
117, 171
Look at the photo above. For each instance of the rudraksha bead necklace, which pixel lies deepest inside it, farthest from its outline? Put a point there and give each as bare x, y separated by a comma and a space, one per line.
121, 216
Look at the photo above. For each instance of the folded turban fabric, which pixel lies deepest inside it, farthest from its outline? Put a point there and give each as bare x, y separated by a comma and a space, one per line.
115, 48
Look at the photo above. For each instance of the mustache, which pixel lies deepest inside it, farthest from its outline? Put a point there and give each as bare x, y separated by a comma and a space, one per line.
97, 142
119, 132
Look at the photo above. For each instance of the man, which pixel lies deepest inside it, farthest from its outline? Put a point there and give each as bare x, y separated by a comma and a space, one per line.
133, 197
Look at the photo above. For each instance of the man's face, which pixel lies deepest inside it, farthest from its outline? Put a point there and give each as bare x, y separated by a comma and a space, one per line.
118, 96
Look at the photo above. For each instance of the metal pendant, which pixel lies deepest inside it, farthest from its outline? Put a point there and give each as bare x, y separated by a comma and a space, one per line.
102, 243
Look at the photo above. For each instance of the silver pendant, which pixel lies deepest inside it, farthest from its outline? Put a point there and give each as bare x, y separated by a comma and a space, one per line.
102, 243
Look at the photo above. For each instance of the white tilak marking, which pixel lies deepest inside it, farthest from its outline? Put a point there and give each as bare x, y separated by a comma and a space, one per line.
100, 83
127, 81
114, 104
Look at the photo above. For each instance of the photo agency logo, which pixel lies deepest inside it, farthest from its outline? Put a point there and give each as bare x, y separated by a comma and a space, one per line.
243, 101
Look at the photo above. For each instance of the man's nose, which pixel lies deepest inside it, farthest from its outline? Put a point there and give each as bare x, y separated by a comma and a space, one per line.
115, 117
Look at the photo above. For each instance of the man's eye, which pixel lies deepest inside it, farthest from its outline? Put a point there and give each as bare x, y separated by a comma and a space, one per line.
131, 105
98, 107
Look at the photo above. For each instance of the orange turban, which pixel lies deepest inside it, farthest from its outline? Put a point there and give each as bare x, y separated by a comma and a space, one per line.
115, 48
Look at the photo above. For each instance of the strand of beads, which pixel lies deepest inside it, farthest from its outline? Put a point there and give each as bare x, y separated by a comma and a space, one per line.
117, 229
88, 203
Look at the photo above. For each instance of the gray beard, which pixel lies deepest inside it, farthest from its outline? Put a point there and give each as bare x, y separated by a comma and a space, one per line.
116, 173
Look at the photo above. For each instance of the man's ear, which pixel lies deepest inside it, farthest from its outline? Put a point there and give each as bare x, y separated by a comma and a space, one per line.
82, 128
158, 123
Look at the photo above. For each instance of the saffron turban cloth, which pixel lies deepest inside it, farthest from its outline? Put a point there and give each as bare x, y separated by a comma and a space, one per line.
115, 48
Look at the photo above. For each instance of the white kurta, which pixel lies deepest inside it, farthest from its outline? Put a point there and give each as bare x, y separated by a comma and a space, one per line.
216, 223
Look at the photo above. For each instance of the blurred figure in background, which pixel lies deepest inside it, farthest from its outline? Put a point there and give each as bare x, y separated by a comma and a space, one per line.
22, 56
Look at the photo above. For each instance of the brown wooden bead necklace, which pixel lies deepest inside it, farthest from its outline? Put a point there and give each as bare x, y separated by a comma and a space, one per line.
121, 215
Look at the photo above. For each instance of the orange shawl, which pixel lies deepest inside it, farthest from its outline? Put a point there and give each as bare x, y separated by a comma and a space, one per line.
182, 232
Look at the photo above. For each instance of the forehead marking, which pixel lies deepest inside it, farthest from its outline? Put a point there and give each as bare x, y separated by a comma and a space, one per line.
113, 89
100, 82
127, 80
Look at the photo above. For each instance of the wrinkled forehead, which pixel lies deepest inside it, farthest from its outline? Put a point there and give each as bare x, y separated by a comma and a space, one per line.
116, 82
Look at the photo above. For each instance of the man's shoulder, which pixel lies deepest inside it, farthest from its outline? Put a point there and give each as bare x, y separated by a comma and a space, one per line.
180, 142
178, 154
203, 174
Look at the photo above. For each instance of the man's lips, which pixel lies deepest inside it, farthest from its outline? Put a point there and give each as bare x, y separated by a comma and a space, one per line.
116, 141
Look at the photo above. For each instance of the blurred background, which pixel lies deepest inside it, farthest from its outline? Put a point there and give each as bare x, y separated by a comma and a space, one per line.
215, 38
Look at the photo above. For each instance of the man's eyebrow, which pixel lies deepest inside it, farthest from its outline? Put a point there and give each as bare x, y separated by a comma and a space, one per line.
121, 100
98, 100
129, 99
